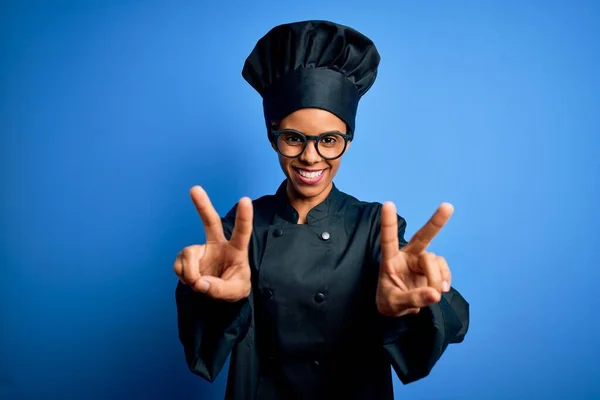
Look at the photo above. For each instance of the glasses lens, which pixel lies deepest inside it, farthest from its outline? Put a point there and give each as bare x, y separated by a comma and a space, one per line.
290, 144
331, 145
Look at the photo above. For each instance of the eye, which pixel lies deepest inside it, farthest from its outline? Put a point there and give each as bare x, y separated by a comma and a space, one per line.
329, 140
293, 139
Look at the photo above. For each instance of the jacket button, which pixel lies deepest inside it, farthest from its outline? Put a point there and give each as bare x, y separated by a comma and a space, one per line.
267, 293
319, 297
325, 235
277, 232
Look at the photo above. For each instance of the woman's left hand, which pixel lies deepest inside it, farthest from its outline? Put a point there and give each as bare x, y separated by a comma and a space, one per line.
411, 278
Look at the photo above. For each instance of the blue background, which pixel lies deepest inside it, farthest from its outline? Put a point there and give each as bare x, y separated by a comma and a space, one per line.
110, 111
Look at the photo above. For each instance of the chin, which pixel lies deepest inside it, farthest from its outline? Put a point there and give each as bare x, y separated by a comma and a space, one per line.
310, 192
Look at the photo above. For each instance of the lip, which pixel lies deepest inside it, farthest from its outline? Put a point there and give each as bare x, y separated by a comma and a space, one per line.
307, 181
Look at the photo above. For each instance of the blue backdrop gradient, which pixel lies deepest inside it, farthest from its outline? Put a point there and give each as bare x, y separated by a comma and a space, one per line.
110, 111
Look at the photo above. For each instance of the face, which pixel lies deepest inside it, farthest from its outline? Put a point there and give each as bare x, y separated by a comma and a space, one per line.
309, 175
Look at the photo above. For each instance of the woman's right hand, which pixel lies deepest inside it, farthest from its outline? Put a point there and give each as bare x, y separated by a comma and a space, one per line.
219, 268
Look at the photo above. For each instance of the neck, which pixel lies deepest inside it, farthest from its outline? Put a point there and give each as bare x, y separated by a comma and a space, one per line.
303, 205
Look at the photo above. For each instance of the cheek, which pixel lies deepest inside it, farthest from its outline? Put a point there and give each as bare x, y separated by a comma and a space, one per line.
334, 165
284, 163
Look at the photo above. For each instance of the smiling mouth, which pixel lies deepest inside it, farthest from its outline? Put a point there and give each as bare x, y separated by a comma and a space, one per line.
309, 177
309, 174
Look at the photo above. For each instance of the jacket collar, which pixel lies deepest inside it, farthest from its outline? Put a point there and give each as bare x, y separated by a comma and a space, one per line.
285, 211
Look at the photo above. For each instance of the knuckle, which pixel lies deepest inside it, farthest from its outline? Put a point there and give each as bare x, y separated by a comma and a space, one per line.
416, 300
191, 253
187, 252
189, 274
427, 265
187, 277
443, 265
178, 268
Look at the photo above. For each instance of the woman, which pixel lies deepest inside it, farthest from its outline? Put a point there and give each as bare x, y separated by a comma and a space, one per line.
313, 292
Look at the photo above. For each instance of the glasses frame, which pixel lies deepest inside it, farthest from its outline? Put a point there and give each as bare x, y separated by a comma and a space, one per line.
275, 133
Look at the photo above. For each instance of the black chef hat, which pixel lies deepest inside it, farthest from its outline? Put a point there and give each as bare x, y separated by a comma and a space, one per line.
312, 64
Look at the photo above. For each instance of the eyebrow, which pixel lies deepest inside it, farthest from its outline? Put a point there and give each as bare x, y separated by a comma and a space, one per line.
311, 134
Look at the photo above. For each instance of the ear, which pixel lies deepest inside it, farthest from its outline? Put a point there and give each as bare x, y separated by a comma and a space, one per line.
273, 146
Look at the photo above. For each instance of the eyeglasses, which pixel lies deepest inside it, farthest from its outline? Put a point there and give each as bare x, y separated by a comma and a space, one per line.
291, 143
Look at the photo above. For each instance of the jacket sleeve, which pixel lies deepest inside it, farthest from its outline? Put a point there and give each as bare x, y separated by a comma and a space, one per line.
209, 328
414, 343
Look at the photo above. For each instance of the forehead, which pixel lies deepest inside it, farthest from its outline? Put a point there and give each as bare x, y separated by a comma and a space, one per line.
313, 121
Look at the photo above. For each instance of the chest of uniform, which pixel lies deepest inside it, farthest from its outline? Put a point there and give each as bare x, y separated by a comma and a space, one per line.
313, 266
313, 286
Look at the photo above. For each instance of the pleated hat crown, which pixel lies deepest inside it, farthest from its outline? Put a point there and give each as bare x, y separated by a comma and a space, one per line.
312, 64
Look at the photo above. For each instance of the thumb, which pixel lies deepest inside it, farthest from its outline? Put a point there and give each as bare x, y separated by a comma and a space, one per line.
415, 298
201, 285
217, 288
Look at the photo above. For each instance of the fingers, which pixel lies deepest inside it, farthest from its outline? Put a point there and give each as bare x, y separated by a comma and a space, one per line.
407, 302
445, 272
210, 218
389, 231
435, 268
431, 270
228, 290
242, 231
425, 235
187, 264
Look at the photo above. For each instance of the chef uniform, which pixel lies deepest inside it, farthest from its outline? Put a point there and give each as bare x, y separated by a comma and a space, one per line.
310, 328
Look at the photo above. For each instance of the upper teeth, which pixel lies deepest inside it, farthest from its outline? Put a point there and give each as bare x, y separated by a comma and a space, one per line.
310, 175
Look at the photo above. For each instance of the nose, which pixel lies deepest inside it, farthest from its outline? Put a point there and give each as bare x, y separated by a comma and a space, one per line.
310, 155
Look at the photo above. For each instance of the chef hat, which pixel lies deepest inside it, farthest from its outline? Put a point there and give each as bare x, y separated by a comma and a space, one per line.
312, 64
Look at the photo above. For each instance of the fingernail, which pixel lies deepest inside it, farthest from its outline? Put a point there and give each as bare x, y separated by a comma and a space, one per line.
427, 297
445, 286
204, 285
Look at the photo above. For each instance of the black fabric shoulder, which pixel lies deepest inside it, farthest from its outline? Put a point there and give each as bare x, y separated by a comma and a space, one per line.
262, 211
228, 222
